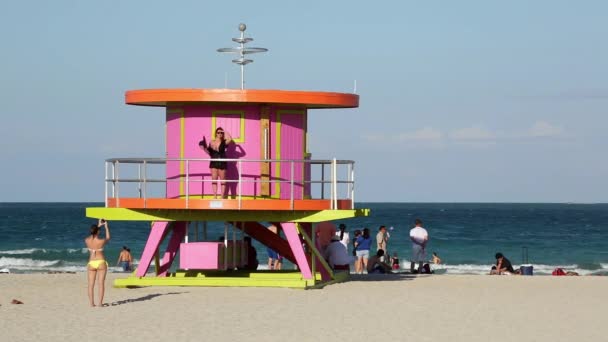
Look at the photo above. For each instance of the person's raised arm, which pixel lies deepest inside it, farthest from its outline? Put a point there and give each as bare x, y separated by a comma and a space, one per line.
203, 145
105, 224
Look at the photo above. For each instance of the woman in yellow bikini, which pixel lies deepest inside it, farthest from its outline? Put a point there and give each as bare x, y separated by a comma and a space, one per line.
97, 262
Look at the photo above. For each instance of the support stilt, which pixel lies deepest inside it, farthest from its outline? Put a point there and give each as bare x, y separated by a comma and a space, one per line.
157, 233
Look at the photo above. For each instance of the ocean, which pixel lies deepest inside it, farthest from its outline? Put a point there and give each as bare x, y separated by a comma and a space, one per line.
48, 237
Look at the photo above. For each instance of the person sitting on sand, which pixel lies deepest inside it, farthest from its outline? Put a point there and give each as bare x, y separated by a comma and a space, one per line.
436, 259
374, 265
337, 255
395, 261
503, 266
97, 264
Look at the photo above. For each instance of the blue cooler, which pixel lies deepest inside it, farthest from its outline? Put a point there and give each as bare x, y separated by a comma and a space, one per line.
525, 268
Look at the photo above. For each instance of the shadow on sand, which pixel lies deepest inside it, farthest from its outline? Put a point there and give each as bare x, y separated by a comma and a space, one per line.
386, 277
143, 299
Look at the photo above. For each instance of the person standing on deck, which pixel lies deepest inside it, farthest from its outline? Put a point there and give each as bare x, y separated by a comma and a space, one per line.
216, 149
419, 237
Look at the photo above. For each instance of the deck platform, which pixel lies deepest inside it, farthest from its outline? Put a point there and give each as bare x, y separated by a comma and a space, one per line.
290, 279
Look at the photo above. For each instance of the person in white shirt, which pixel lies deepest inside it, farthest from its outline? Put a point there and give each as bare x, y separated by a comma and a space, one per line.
419, 237
343, 235
337, 255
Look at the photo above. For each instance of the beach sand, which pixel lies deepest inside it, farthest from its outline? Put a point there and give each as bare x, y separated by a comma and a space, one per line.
367, 308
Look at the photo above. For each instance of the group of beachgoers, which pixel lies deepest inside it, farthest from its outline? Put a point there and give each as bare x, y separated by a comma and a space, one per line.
338, 256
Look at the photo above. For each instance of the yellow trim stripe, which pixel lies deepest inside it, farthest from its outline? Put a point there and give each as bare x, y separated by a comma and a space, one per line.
241, 113
182, 143
123, 214
182, 146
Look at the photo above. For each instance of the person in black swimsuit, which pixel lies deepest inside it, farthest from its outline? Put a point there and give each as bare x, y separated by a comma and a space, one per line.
216, 149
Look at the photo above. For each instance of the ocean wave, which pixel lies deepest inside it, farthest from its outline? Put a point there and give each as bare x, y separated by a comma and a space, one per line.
8, 262
29, 251
23, 251
26, 265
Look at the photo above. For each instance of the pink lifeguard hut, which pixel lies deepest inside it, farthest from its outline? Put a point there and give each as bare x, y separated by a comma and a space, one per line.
270, 179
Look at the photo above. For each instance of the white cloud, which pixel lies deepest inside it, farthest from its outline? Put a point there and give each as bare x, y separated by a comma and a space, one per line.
473, 133
426, 134
543, 129
374, 137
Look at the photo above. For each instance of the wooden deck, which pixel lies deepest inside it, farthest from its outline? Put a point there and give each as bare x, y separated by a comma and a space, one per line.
290, 279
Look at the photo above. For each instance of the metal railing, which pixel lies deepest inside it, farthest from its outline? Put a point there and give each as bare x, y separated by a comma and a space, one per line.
340, 182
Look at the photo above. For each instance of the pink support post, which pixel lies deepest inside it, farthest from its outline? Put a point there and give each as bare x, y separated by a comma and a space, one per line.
291, 233
157, 232
179, 231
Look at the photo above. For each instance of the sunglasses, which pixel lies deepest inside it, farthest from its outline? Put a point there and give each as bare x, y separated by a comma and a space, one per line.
219, 132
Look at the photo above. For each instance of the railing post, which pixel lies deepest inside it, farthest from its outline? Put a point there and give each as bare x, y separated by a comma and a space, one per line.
187, 183
105, 182
240, 185
322, 180
117, 184
334, 183
139, 178
114, 179
291, 192
352, 185
145, 183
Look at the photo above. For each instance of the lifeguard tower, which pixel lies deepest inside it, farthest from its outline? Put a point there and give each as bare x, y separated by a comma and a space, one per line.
270, 179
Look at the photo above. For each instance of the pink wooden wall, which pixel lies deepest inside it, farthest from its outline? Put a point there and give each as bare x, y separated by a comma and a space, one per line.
242, 122
287, 124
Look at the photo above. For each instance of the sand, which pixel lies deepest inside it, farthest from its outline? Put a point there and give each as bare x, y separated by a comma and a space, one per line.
368, 308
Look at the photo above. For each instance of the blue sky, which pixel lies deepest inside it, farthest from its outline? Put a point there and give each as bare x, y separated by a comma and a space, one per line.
474, 101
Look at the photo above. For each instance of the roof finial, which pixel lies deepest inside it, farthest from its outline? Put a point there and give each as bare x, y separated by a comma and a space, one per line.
242, 51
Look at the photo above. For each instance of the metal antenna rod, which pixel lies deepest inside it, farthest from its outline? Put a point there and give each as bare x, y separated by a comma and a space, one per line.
242, 51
